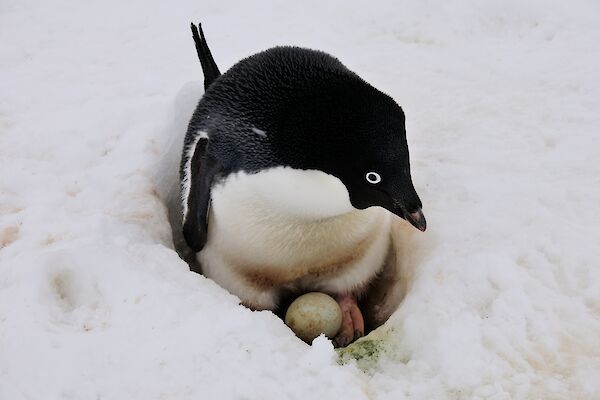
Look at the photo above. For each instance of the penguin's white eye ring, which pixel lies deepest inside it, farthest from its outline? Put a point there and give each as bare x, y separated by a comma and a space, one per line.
373, 177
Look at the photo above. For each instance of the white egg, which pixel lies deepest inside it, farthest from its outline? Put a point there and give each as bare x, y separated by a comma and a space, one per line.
312, 314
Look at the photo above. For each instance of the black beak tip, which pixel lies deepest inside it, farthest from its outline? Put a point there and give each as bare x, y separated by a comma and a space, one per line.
417, 219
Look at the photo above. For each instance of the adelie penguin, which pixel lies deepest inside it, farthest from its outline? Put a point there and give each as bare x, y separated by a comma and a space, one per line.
292, 170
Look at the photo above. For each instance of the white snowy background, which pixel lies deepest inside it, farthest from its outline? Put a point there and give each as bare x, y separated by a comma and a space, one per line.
503, 290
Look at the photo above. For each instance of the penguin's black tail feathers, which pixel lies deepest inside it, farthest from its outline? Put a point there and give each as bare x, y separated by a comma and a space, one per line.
209, 67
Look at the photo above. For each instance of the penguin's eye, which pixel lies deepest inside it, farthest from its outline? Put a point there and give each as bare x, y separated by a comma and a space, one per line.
373, 177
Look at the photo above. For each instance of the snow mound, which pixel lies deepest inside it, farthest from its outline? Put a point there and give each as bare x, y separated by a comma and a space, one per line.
501, 294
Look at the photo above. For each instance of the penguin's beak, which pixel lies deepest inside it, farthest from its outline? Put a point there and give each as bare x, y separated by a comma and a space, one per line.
417, 219
407, 205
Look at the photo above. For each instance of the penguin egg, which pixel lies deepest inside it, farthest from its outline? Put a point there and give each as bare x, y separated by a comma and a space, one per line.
312, 314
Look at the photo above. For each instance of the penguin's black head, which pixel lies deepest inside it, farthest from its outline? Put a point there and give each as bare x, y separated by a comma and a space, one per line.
358, 134
378, 173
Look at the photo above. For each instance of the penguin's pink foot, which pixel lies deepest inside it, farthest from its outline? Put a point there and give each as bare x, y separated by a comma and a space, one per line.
353, 324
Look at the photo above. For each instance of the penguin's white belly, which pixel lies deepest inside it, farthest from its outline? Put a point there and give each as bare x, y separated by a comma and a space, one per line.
286, 228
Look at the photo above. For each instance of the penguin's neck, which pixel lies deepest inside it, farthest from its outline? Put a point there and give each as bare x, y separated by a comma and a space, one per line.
300, 195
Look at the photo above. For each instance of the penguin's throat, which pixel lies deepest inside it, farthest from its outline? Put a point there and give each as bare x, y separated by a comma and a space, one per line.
292, 193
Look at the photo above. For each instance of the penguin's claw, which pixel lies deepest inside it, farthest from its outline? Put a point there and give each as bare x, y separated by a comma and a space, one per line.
353, 324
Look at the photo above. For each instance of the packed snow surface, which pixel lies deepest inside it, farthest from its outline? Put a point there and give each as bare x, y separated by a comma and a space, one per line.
502, 297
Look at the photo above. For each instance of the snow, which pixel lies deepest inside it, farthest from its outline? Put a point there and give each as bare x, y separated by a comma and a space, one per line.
502, 291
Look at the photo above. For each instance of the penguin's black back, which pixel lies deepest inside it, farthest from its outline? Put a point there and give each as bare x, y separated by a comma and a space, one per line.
298, 97
264, 83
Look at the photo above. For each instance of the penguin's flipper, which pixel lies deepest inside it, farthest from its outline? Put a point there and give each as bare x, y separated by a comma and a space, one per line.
199, 172
209, 67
